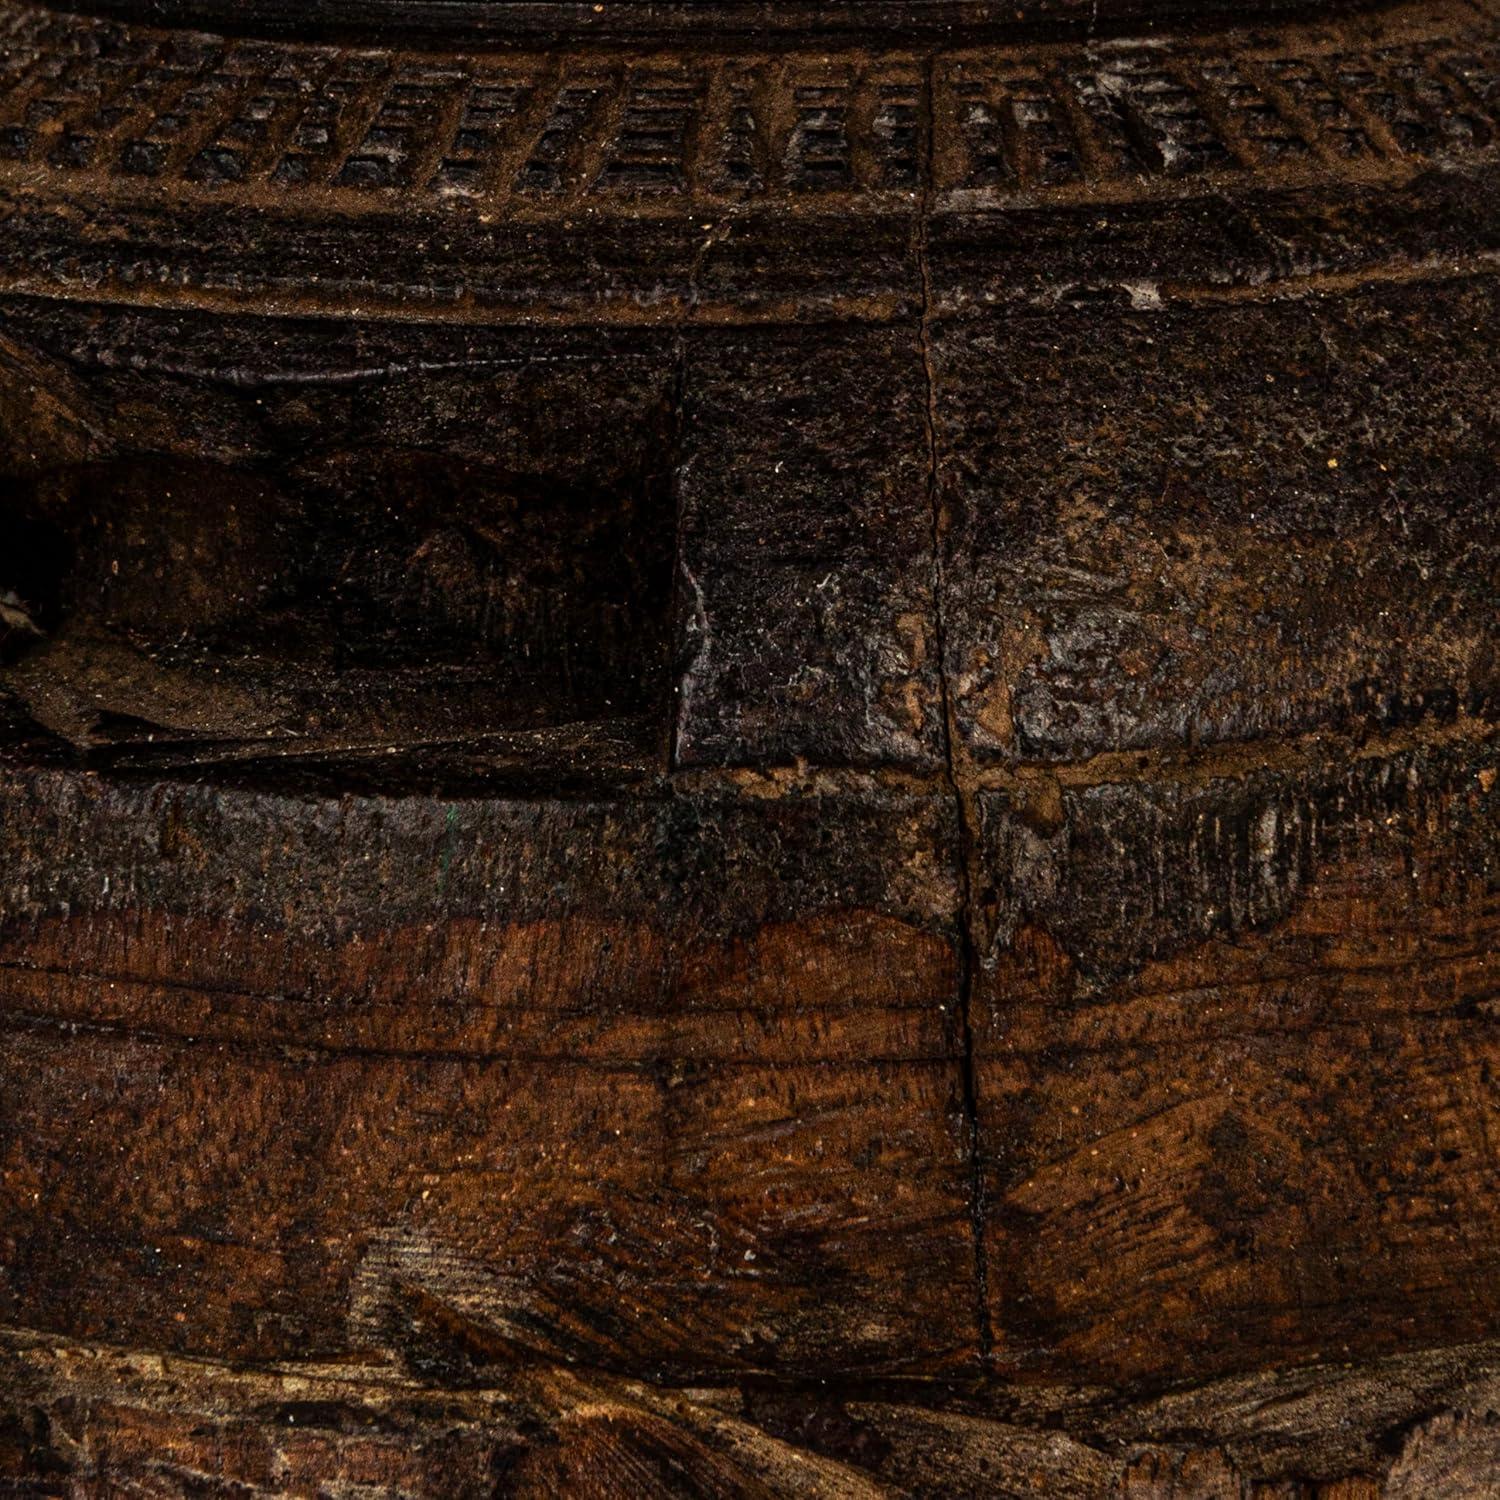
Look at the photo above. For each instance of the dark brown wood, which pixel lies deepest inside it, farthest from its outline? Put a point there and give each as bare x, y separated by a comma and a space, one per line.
749, 758
582, 22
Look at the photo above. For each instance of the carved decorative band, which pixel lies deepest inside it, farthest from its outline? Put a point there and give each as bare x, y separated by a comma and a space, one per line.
125, 108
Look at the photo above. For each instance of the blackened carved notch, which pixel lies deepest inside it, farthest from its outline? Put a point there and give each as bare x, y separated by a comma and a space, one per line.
475, 596
550, 591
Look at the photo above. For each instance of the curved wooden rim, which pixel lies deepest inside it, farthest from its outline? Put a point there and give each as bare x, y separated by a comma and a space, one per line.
700, 22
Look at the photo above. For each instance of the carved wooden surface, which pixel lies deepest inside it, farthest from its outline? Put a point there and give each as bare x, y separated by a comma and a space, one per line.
758, 769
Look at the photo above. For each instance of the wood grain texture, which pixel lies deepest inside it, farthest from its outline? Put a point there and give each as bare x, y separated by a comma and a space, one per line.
98, 1420
464, 1049
1235, 1062
750, 769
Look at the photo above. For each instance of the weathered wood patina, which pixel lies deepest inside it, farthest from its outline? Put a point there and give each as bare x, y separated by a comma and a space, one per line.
748, 749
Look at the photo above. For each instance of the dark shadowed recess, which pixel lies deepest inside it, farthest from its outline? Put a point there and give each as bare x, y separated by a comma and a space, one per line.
694, 22
477, 557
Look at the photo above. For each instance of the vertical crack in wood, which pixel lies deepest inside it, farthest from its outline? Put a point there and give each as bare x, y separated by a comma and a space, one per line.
962, 800
677, 673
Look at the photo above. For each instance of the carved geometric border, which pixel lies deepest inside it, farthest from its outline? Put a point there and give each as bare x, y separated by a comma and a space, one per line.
101, 107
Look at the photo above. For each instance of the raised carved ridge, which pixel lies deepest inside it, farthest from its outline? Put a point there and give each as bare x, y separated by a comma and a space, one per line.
286, 124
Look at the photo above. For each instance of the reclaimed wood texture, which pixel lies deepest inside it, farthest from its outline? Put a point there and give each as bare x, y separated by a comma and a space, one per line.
751, 772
